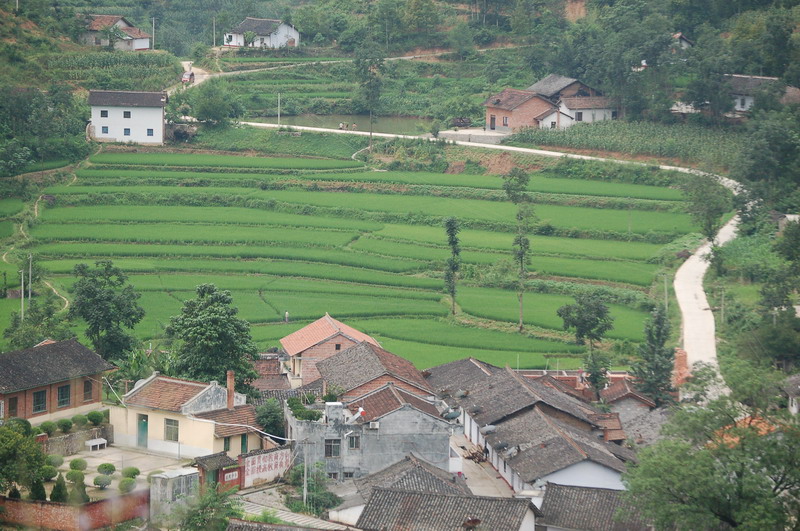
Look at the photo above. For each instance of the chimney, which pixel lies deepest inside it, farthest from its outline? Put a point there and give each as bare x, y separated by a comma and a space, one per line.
230, 389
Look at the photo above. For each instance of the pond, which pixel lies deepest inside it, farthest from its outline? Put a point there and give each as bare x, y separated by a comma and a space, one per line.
401, 125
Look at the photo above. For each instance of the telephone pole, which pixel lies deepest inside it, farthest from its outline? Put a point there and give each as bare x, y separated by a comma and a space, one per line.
154, 33
30, 276
22, 296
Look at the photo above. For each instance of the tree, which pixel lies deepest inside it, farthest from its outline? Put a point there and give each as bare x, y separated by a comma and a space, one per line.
589, 316
210, 510
249, 38
515, 183
77, 495
723, 465
112, 34
104, 299
21, 458
653, 371
59, 492
212, 340
213, 102
270, 416
37, 491
707, 202
421, 15
42, 321
452, 229
369, 68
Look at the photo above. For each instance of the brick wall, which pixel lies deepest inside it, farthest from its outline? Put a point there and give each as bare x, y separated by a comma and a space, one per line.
326, 349
522, 116
72, 443
93, 515
25, 399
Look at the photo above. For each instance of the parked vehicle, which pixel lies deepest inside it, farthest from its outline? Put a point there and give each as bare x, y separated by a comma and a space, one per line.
188, 77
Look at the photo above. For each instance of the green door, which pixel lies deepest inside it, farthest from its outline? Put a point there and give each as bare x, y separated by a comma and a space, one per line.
141, 440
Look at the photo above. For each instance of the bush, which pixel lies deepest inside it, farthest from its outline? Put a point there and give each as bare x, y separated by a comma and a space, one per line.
95, 417
64, 425
130, 472
19, 425
54, 460
102, 481
106, 469
151, 474
126, 485
80, 421
48, 427
59, 493
75, 476
49, 472
77, 464
14, 493
37, 491
78, 493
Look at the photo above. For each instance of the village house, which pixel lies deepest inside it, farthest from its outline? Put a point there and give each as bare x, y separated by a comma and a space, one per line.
53, 380
411, 473
131, 38
127, 116
317, 341
512, 109
270, 374
745, 89
401, 510
186, 418
587, 509
267, 33
626, 400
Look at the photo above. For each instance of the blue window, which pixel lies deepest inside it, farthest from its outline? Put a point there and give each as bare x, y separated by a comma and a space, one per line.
105, 129
64, 396
127, 132
149, 132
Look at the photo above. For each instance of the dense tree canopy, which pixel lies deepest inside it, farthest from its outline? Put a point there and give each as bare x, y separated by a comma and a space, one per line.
21, 458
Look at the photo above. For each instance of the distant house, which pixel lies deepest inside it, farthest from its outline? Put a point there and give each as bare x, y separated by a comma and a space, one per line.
513, 109
53, 380
186, 418
587, 509
317, 341
792, 388
626, 400
270, 374
127, 116
744, 89
682, 42
132, 38
401, 510
411, 473
268, 33
556, 87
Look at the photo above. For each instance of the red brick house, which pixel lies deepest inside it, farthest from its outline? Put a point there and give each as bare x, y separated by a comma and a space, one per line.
53, 380
317, 341
513, 109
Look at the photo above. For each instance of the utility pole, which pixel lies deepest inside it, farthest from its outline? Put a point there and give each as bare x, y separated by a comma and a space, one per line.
214, 30
154, 33
305, 472
22, 296
279, 113
30, 276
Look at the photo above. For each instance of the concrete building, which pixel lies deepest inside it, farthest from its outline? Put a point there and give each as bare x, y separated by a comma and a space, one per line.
131, 38
185, 418
127, 116
267, 33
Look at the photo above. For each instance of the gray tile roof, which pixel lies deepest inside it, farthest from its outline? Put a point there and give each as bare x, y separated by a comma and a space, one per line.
399, 510
127, 98
363, 363
461, 375
412, 474
588, 509
551, 85
46, 364
259, 26
214, 461
314, 388
645, 429
234, 524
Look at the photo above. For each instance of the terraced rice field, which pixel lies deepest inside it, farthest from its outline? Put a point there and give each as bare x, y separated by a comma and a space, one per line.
372, 258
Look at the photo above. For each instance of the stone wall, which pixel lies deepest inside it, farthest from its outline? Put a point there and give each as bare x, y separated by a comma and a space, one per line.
72, 443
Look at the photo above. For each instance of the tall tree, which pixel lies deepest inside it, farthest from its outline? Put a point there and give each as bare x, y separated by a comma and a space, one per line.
270, 416
452, 229
369, 68
589, 316
42, 321
21, 458
212, 339
210, 510
515, 183
653, 370
707, 202
104, 299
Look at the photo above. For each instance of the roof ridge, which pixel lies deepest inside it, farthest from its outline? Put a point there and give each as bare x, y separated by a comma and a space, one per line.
480, 366
464, 495
563, 434
520, 381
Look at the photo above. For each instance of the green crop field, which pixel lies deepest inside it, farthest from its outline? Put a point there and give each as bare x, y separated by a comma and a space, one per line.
9, 207
225, 161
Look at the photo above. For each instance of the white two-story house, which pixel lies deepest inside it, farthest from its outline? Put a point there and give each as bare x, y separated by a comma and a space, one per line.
127, 116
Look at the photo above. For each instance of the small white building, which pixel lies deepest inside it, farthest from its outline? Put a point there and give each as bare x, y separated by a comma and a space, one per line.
269, 33
132, 37
127, 116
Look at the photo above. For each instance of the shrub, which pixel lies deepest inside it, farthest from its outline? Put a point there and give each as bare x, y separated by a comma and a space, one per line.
49, 472
106, 469
78, 493
59, 493
75, 476
37, 491
102, 481
80, 421
14, 493
126, 485
151, 474
19, 425
54, 460
130, 472
95, 417
48, 427
64, 425
77, 464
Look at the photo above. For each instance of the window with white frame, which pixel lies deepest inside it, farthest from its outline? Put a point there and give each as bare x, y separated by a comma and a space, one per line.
170, 430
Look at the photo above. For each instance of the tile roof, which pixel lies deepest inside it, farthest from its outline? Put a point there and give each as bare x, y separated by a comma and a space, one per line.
363, 363
245, 416
747, 85
314, 388
412, 474
623, 389
587, 509
509, 99
127, 98
558, 385
387, 399
272, 382
645, 428
551, 85
588, 102
164, 392
400, 510
266, 366
318, 331
48, 363
214, 461
98, 22
234, 524
259, 26
460, 375
135, 33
